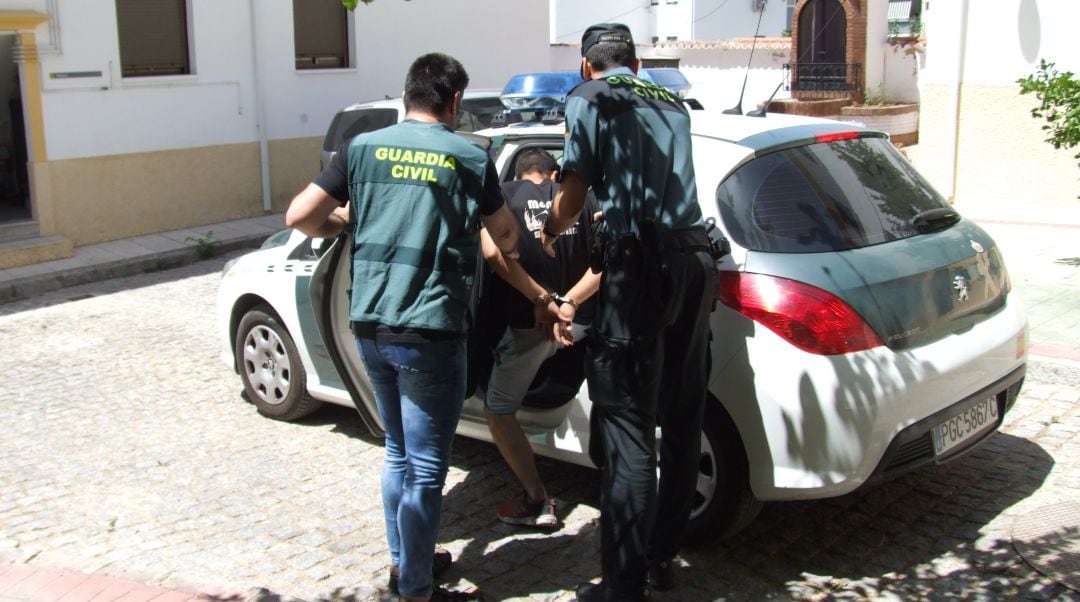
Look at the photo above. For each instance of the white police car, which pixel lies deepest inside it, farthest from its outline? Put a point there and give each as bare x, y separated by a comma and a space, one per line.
863, 327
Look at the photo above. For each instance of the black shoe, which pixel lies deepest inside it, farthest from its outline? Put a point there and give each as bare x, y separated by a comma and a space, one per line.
599, 592
661, 575
440, 562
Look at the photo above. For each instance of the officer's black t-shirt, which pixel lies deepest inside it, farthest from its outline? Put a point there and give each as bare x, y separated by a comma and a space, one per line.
530, 204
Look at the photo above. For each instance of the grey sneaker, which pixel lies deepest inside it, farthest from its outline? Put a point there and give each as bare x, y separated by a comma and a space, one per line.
525, 512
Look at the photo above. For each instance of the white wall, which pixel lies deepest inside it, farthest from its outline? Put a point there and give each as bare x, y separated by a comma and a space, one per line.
105, 115
684, 19
737, 19
1003, 44
570, 18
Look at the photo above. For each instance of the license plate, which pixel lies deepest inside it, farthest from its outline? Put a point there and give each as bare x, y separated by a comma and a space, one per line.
978, 418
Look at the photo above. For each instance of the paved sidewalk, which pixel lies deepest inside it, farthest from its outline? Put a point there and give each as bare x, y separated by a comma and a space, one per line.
1040, 248
126, 257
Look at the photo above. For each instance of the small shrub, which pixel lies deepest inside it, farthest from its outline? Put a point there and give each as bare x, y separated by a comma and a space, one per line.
1059, 104
205, 246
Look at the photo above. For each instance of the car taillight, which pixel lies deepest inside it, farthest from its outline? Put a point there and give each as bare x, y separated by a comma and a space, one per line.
809, 318
836, 136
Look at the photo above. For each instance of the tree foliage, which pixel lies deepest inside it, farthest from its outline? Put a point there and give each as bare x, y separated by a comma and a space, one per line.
1059, 98
351, 4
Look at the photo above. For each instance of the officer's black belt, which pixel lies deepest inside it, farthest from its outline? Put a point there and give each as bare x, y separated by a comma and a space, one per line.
686, 240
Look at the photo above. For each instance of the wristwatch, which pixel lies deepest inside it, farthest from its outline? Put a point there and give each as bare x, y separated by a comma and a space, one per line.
564, 299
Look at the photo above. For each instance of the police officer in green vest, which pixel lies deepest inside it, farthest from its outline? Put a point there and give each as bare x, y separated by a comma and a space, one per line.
629, 141
418, 194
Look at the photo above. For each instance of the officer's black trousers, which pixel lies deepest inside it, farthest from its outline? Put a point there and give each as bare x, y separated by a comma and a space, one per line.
647, 363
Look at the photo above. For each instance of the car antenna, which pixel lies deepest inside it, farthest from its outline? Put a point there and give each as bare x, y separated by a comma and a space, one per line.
737, 109
760, 112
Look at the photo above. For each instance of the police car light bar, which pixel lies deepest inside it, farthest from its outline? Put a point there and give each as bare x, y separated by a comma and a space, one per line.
538, 92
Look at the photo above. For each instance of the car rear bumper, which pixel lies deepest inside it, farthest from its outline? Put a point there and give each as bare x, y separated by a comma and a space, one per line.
914, 446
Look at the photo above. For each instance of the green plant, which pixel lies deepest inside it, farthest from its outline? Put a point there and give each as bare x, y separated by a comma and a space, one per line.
1059, 103
351, 4
875, 95
785, 33
205, 246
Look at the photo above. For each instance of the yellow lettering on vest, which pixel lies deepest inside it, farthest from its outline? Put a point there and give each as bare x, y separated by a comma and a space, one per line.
449, 163
394, 155
398, 171
380, 153
419, 156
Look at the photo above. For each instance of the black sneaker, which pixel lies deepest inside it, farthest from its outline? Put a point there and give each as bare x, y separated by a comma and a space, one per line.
440, 562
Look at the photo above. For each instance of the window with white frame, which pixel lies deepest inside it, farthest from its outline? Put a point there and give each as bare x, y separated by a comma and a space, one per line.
153, 37
321, 34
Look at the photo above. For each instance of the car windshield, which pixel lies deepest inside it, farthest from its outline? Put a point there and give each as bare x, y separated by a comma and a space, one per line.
476, 113
825, 197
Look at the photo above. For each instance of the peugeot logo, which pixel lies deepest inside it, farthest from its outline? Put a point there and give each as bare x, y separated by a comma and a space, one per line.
960, 285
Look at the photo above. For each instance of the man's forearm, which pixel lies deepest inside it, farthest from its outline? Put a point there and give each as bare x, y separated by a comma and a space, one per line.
567, 204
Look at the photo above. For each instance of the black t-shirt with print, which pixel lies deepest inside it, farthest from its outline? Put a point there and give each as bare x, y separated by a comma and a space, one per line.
530, 204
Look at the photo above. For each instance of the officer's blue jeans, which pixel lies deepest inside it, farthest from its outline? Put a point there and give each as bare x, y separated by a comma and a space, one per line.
420, 390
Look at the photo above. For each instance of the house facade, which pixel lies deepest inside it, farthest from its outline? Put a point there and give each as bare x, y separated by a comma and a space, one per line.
978, 140
139, 116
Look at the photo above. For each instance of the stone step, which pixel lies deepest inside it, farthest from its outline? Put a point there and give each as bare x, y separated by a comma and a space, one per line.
34, 250
18, 230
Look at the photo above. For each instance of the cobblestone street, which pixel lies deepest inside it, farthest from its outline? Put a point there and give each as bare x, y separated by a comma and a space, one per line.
127, 450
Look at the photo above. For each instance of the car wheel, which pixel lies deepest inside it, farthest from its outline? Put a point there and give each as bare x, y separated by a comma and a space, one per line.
270, 368
723, 502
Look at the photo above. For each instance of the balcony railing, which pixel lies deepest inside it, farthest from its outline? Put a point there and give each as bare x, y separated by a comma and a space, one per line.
810, 81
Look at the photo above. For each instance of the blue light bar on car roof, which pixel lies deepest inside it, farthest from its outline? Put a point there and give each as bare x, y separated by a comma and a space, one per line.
538, 91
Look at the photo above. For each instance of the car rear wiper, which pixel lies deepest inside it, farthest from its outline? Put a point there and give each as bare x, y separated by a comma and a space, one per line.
933, 220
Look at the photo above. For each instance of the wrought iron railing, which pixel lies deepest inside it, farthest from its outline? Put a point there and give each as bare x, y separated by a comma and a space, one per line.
824, 80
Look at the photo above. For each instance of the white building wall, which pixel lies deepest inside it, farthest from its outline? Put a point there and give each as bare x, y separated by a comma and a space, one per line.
977, 139
570, 18
216, 104
683, 19
720, 19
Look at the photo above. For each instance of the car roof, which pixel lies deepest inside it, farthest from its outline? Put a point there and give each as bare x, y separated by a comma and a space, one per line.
399, 104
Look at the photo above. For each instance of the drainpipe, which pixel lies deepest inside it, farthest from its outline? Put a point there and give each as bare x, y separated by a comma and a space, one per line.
260, 114
955, 99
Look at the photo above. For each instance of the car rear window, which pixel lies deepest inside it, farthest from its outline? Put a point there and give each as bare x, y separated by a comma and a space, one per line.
476, 113
825, 197
347, 124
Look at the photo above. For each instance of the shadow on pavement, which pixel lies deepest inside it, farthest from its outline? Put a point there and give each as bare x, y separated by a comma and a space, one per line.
921, 535
924, 534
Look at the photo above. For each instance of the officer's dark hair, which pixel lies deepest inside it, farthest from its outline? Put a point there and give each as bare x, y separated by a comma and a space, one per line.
535, 159
432, 81
605, 56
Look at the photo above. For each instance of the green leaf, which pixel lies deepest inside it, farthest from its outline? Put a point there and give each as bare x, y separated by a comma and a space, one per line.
350, 4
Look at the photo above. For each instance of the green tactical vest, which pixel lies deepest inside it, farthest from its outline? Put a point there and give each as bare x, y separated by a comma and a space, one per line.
415, 188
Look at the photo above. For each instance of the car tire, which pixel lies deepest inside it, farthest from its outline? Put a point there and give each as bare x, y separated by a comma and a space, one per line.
723, 503
270, 368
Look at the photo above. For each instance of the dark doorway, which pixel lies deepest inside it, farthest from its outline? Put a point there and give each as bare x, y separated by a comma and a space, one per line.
822, 65
14, 184
822, 29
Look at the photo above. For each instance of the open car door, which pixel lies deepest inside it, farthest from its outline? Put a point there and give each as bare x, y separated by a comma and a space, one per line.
329, 292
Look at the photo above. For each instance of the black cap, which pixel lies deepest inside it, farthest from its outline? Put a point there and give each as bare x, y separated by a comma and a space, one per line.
605, 33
